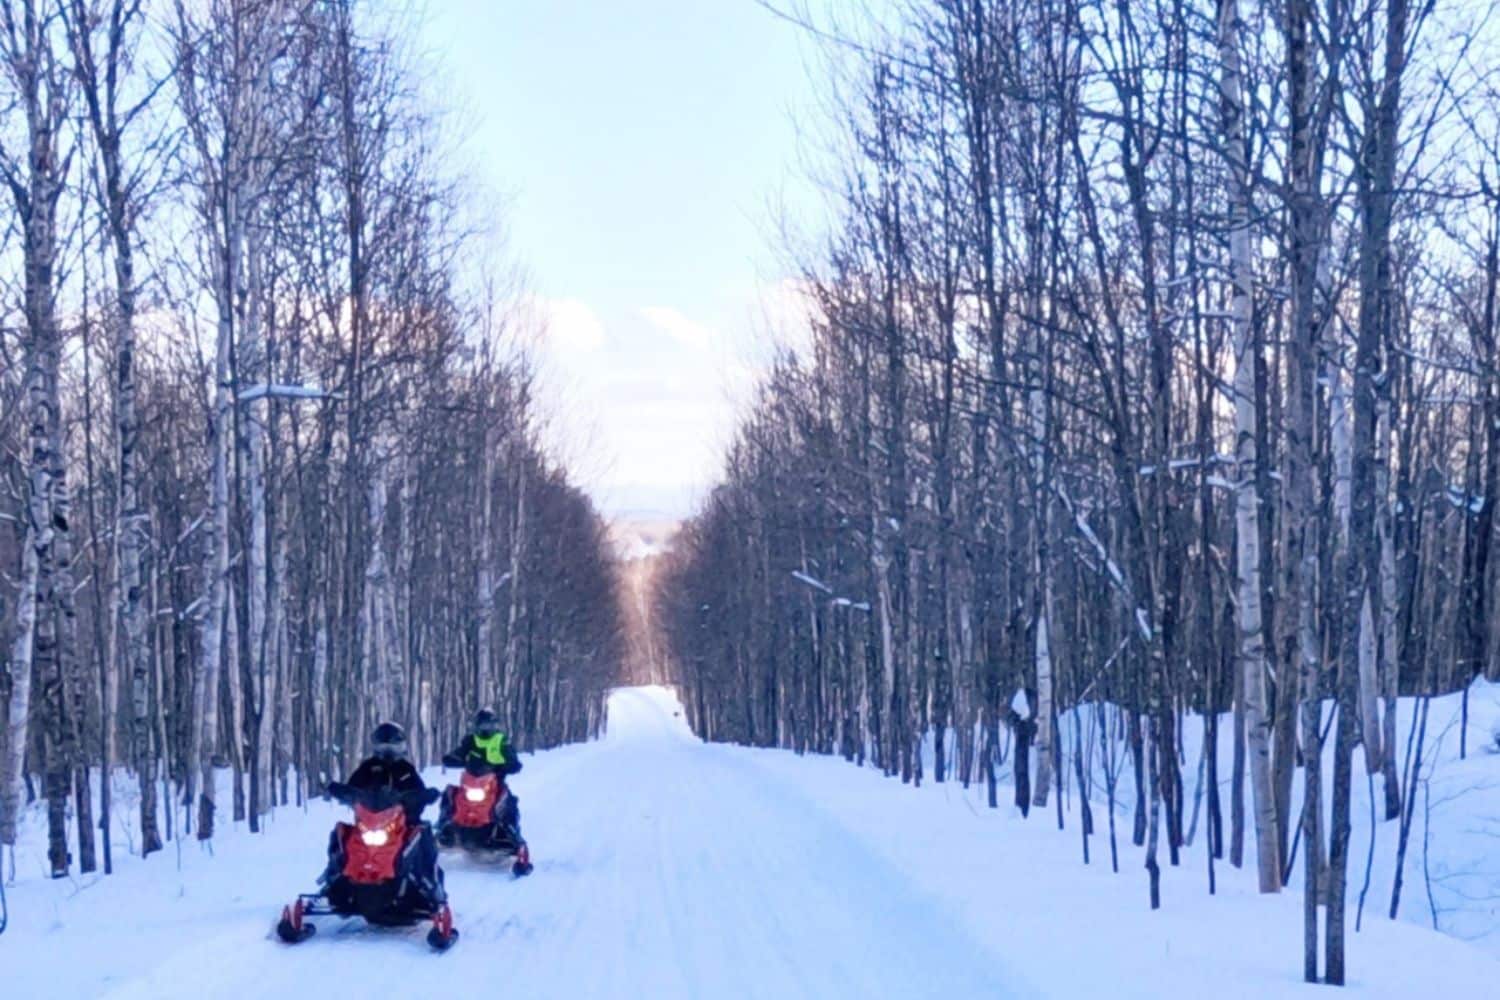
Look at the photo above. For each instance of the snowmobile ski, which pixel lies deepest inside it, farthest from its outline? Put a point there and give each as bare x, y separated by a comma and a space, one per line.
292, 928
443, 933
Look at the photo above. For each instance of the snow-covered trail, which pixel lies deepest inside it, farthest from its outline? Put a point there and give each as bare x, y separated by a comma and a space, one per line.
665, 868
668, 868
683, 870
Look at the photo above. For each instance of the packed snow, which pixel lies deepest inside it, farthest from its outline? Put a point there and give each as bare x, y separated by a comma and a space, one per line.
671, 868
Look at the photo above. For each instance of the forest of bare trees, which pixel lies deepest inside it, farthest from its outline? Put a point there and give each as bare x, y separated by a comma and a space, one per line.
269, 464
1154, 374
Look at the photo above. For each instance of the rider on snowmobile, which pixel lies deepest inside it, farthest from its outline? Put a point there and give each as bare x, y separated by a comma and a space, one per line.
486, 749
388, 768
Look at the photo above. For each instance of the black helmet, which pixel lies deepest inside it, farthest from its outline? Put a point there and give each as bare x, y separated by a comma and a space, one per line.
388, 741
485, 722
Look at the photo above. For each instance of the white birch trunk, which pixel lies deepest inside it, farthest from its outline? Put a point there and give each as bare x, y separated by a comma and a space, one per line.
1366, 653
234, 674
1390, 651
424, 706
401, 615
1042, 564
319, 694
38, 540
216, 572
255, 415
512, 664
382, 634
880, 562
1339, 440
276, 731
1369, 683
1248, 615
373, 683
484, 582
1044, 696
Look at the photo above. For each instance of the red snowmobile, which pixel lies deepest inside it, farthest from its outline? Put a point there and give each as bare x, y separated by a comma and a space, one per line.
382, 868
478, 824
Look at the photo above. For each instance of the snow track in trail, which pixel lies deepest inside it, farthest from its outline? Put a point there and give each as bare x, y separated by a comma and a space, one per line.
665, 868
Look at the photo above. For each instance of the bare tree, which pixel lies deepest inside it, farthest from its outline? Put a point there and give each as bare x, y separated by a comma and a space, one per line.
105, 38
1251, 652
36, 179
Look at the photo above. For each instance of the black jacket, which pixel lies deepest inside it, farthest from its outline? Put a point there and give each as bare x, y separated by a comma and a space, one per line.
398, 775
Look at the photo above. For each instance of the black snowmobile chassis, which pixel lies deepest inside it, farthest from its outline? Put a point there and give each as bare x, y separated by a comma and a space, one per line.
293, 928
481, 845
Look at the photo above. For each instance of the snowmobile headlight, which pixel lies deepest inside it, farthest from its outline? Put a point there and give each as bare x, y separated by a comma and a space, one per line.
374, 838
474, 794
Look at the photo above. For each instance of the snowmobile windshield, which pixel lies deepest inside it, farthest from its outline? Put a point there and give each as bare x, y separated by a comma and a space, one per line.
479, 787
379, 827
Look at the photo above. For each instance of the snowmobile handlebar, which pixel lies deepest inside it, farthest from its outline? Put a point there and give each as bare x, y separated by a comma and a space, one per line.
479, 766
382, 798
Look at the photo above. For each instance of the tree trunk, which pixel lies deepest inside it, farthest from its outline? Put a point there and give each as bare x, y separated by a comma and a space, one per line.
1251, 649
132, 528
36, 571
1306, 229
216, 580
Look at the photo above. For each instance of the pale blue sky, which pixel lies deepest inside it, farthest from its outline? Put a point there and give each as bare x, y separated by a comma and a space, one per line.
646, 149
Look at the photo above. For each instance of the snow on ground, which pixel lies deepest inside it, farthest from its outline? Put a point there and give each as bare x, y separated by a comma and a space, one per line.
668, 868
1452, 867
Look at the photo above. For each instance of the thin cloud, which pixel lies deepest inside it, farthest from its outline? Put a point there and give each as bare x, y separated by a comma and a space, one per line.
571, 326
786, 310
681, 329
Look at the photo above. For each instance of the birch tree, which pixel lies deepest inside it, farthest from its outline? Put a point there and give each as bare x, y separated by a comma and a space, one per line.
36, 177
228, 61
103, 67
1251, 651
